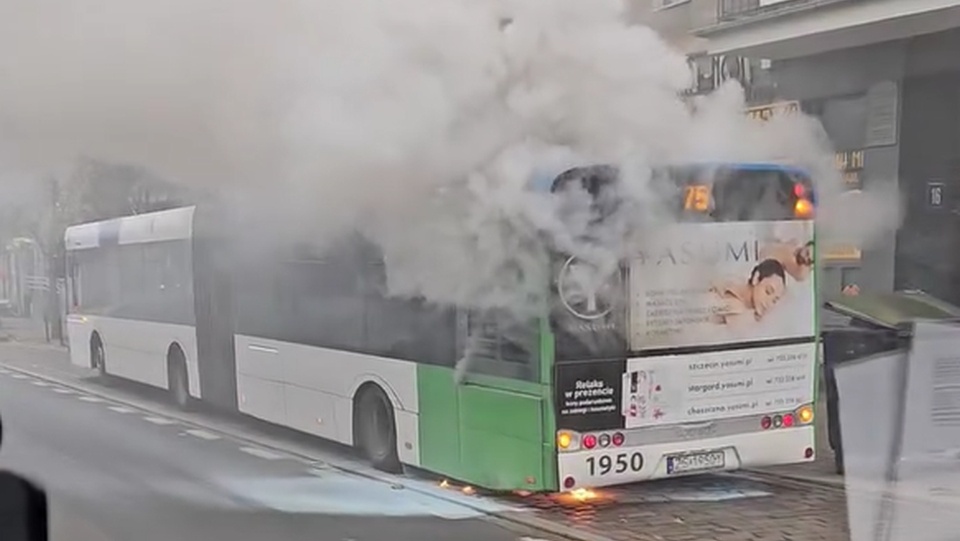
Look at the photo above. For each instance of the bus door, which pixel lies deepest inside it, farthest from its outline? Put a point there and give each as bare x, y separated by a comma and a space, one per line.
501, 402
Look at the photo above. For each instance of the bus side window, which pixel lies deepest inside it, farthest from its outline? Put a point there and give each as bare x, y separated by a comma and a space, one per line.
400, 326
498, 344
322, 303
481, 335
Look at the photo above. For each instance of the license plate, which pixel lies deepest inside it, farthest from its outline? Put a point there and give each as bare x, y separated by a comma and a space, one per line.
693, 462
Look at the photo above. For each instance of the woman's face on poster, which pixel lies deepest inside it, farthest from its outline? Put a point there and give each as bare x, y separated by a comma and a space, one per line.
767, 292
805, 255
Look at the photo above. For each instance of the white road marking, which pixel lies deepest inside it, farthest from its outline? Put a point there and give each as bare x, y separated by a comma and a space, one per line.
39, 383
20, 376
94, 399
159, 420
261, 453
4, 371
121, 409
61, 390
202, 434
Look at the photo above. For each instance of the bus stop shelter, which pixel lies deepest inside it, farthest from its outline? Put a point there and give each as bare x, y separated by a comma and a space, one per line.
897, 409
855, 327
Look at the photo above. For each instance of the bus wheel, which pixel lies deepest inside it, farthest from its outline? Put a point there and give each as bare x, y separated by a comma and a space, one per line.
177, 380
97, 356
375, 431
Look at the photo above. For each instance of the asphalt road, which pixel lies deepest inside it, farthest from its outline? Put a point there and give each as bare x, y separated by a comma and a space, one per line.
116, 473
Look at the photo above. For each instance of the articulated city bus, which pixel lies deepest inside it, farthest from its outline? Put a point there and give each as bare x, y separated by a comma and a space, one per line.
696, 353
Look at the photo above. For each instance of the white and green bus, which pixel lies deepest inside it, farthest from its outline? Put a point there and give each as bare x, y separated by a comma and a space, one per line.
696, 353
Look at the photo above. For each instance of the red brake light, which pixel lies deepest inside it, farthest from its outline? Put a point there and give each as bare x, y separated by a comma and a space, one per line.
788, 420
766, 422
618, 439
799, 190
589, 441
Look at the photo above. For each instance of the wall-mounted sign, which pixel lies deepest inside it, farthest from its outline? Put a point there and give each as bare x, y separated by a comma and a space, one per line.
850, 163
935, 195
849, 160
766, 112
882, 114
839, 253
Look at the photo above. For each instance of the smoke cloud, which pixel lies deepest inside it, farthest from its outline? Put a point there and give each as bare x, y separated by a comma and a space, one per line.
418, 122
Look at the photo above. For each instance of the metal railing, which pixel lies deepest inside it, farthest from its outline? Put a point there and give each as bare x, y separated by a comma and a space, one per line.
731, 10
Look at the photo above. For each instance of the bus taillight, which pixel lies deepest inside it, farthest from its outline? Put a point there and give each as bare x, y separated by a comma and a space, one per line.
788, 420
803, 208
766, 422
805, 415
618, 439
589, 441
799, 190
564, 439
604, 440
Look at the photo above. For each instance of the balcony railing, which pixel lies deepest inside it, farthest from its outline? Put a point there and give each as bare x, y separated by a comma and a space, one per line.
731, 10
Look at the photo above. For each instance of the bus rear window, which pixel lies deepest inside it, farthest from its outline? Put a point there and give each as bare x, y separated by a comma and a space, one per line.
722, 193
734, 194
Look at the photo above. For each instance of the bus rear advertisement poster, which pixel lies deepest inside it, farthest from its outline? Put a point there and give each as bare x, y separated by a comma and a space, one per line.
729, 283
690, 388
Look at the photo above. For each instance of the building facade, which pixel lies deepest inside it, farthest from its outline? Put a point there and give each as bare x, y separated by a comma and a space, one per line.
884, 78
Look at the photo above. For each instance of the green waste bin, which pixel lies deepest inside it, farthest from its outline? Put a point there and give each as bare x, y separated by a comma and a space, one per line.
858, 326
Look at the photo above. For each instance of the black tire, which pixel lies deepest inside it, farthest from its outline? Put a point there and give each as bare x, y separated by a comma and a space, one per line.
376, 432
178, 382
98, 358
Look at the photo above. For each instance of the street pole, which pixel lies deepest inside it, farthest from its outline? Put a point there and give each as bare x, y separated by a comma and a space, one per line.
55, 264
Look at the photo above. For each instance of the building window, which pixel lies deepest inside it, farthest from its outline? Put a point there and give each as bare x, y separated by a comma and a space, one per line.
664, 4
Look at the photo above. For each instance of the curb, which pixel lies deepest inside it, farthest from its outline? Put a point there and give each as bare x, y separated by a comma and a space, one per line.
803, 480
545, 525
519, 517
33, 344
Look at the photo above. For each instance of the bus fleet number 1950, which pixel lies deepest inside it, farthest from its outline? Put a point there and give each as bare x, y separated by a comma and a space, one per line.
619, 463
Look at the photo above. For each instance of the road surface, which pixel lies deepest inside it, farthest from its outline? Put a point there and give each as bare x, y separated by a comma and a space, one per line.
115, 473
169, 474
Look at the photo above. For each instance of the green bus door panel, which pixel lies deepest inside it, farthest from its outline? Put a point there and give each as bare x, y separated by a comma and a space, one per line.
486, 431
501, 438
439, 420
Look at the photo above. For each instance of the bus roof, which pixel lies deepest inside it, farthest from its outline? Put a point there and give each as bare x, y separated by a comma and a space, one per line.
177, 223
543, 180
172, 224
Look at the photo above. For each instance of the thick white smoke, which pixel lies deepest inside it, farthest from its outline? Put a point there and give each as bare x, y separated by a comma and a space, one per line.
418, 121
